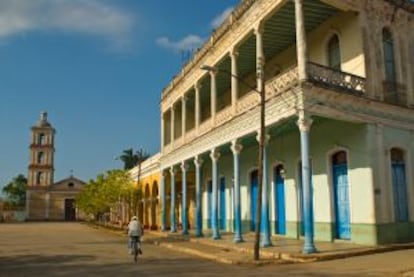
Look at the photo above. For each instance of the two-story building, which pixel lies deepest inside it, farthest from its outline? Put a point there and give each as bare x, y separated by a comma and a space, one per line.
337, 78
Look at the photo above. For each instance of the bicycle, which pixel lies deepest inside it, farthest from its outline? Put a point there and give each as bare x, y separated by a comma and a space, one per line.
136, 247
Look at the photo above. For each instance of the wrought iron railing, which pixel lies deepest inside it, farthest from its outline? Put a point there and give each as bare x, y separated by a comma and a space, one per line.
336, 79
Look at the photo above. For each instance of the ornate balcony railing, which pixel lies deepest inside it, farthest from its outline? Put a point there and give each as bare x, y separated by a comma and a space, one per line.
336, 79
223, 115
205, 126
247, 102
282, 82
190, 135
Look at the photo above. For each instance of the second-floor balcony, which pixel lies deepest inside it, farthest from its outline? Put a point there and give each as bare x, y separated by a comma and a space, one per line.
330, 79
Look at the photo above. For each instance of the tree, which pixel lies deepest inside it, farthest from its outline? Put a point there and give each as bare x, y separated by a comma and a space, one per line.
16, 191
131, 158
104, 193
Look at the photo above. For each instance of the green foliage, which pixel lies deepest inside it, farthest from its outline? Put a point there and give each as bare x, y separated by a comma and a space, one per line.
15, 191
131, 158
99, 195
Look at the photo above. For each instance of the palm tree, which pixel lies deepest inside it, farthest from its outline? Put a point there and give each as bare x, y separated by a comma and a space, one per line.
132, 159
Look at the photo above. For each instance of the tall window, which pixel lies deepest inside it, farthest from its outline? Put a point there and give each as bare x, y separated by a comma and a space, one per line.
39, 176
40, 157
399, 185
334, 53
41, 139
389, 57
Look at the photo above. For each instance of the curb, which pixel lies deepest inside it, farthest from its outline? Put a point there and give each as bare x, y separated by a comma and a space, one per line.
270, 257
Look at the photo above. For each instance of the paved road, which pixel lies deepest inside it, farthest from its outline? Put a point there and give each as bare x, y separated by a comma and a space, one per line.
71, 249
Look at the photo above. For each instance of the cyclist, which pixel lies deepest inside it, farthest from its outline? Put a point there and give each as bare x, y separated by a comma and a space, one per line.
135, 231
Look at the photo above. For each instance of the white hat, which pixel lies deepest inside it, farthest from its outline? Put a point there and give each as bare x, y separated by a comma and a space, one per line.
134, 218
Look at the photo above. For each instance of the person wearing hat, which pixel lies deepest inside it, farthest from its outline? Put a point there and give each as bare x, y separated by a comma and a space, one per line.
135, 230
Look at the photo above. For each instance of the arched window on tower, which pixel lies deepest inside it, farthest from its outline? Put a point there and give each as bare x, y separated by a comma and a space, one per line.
41, 139
40, 158
334, 53
389, 61
39, 177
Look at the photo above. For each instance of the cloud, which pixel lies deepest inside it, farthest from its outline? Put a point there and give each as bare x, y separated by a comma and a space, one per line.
221, 17
190, 42
90, 17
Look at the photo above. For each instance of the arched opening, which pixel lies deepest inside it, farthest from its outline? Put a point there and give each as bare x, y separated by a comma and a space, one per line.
280, 206
154, 206
399, 185
40, 158
147, 203
389, 61
341, 195
41, 139
39, 177
334, 52
222, 204
209, 204
253, 198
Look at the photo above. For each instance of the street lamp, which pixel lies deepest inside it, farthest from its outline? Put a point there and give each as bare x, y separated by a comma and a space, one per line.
260, 77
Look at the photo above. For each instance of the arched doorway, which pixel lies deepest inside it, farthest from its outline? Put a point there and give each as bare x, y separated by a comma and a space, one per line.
399, 185
154, 206
280, 207
146, 206
341, 195
222, 206
253, 198
209, 204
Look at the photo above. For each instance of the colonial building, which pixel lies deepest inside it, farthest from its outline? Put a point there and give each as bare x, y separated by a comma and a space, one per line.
337, 79
46, 200
148, 174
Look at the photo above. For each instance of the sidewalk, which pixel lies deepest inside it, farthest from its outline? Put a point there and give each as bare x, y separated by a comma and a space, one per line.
283, 250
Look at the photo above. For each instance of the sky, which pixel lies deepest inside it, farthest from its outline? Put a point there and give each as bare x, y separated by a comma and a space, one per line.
98, 68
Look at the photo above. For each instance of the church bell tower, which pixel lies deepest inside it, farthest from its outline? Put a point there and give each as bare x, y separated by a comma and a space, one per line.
42, 149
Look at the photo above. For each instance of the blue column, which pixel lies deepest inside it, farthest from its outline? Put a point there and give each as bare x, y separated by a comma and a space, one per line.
304, 123
184, 221
172, 212
214, 158
236, 148
265, 227
198, 162
163, 202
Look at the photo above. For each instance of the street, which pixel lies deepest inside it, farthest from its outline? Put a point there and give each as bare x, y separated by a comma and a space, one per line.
74, 249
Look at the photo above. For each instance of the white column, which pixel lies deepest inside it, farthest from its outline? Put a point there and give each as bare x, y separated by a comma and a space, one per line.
236, 148
301, 46
304, 124
162, 132
234, 80
260, 59
172, 124
213, 96
183, 115
198, 163
197, 88
184, 218
215, 155
172, 212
